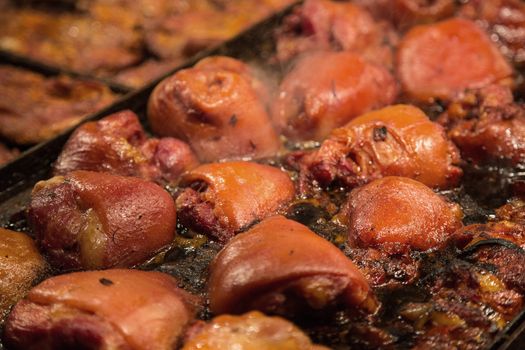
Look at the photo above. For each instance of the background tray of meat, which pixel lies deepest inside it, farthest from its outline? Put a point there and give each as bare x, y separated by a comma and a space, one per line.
355, 168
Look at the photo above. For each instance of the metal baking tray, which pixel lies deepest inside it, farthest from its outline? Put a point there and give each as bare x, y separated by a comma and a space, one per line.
256, 46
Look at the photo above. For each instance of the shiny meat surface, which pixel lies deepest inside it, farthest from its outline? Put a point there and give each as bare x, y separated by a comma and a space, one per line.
394, 141
251, 331
117, 144
102, 310
21, 265
34, 108
222, 199
309, 106
396, 214
266, 269
88, 220
431, 60
217, 110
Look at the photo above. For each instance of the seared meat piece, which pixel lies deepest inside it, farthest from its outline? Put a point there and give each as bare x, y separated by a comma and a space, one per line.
81, 43
394, 141
112, 309
20, 267
487, 126
405, 13
505, 19
222, 199
6, 154
330, 25
117, 144
251, 331
344, 86
216, 109
281, 267
437, 61
34, 108
94, 220
145, 72
396, 214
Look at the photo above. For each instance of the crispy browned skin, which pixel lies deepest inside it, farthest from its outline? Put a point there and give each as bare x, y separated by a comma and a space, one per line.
397, 214
118, 145
343, 87
251, 331
503, 18
217, 110
95, 220
6, 154
20, 266
405, 13
487, 126
221, 199
280, 266
83, 43
437, 61
330, 25
112, 309
34, 108
394, 141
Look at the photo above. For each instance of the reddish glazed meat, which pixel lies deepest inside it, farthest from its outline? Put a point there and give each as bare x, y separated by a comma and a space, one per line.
251, 331
504, 19
222, 199
112, 309
280, 266
344, 86
437, 61
487, 126
394, 141
330, 25
94, 220
216, 110
20, 266
117, 144
397, 214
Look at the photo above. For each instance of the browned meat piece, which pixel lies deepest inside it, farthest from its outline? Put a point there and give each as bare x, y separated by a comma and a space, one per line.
216, 109
394, 141
146, 72
6, 154
440, 60
34, 108
405, 13
251, 331
118, 145
343, 87
396, 214
281, 267
487, 126
505, 19
82, 43
113, 309
20, 267
222, 199
94, 220
330, 25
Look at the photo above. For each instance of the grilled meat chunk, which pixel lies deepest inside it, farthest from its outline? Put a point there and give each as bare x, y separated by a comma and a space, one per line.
216, 109
440, 60
397, 214
487, 126
112, 309
34, 108
251, 331
118, 145
6, 155
343, 87
222, 199
281, 267
394, 141
88, 220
